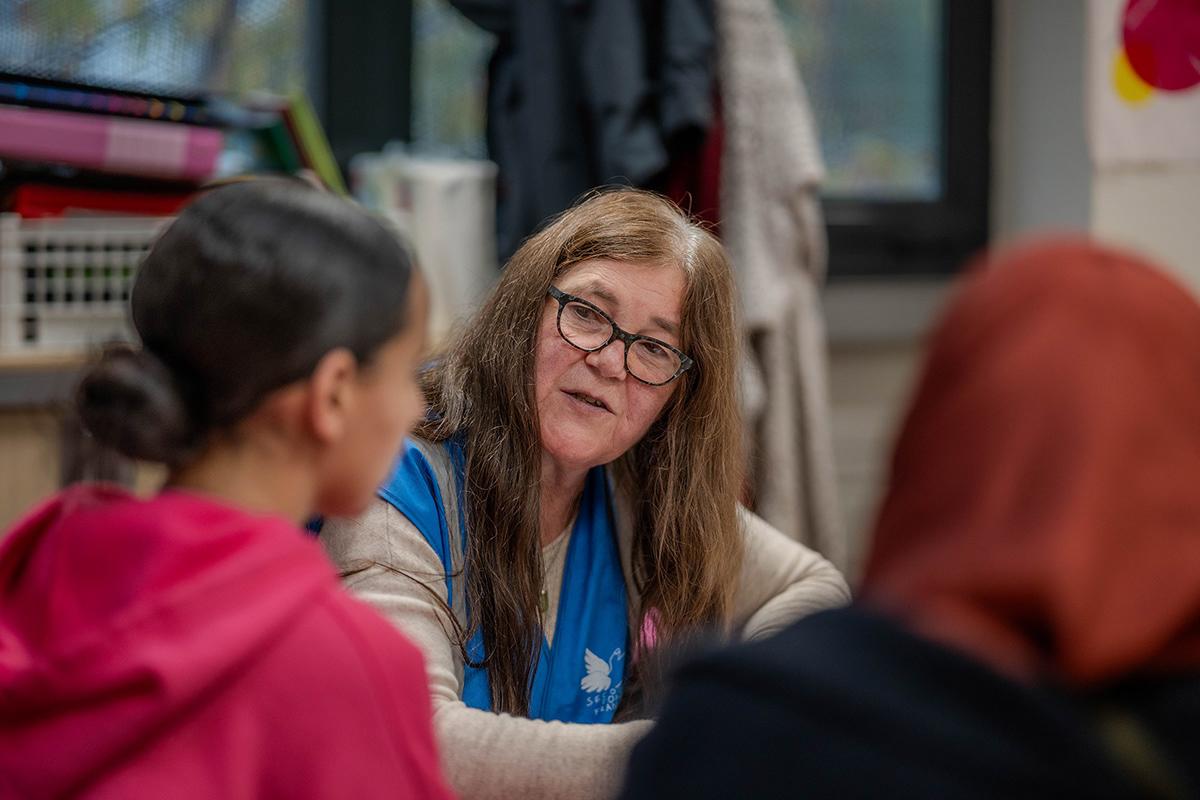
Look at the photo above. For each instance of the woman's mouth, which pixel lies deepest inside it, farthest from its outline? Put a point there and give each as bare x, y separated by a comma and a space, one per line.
588, 400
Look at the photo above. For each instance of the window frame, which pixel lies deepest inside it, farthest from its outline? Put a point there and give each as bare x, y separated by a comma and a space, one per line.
362, 87
884, 238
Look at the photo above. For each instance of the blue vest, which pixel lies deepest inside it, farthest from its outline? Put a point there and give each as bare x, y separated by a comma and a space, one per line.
580, 678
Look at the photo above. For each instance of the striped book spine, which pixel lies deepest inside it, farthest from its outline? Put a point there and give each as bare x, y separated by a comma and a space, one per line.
110, 144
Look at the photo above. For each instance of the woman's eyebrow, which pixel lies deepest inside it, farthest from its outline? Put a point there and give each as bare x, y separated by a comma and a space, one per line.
601, 291
666, 325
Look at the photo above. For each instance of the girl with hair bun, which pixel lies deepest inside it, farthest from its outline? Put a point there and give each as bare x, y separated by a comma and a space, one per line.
197, 644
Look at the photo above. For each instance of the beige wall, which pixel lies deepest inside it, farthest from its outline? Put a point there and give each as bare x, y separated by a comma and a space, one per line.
29, 466
875, 332
31, 462
1155, 210
869, 385
1042, 179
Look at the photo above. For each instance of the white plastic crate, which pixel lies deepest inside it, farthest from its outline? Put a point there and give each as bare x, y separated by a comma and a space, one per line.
447, 209
65, 282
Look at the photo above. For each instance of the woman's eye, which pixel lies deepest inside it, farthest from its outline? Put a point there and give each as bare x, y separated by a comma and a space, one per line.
584, 313
653, 349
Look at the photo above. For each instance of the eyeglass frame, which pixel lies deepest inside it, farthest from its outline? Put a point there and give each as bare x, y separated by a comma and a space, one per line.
685, 361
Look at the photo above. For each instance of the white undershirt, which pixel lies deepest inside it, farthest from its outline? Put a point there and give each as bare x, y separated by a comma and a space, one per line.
554, 563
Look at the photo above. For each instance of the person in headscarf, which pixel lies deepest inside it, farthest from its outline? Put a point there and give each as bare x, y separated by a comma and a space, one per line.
1029, 624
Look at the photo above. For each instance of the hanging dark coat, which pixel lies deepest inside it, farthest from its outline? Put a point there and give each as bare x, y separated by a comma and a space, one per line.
584, 93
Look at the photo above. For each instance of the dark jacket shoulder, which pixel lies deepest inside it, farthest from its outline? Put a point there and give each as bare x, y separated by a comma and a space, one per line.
848, 703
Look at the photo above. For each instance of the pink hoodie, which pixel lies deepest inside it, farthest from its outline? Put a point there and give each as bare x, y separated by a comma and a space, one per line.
180, 648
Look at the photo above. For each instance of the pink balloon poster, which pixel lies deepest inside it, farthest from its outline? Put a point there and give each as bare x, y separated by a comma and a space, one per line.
1144, 81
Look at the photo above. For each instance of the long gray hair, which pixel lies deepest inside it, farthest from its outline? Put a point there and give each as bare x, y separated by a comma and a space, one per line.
683, 477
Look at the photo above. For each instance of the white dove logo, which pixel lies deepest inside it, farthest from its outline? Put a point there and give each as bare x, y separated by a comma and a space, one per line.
599, 671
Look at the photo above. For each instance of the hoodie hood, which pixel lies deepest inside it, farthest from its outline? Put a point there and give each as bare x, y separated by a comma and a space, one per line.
1042, 513
118, 615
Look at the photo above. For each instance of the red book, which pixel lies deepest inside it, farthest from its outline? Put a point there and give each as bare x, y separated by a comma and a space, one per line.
42, 200
110, 144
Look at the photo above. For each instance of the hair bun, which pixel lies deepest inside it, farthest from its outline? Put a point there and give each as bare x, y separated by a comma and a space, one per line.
130, 401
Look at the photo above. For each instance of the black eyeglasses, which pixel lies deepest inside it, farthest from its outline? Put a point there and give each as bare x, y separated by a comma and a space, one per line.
585, 327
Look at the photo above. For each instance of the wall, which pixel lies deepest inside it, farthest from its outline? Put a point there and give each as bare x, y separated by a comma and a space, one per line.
875, 329
1041, 179
1041, 172
1155, 210
869, 385
29, 466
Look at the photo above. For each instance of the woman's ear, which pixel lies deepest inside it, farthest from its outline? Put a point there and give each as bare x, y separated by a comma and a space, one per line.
332, 395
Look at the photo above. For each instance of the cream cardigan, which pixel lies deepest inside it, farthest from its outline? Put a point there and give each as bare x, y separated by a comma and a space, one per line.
488, 755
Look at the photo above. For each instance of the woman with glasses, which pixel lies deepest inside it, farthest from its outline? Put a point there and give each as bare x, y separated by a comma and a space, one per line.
569, 511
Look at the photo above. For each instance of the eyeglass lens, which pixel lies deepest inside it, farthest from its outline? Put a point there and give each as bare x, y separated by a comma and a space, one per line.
584, 328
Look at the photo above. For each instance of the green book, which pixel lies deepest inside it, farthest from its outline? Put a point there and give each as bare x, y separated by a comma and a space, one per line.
279, 142
312, 144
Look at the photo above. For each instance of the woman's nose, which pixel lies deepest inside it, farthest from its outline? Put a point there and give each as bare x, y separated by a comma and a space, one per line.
609, 360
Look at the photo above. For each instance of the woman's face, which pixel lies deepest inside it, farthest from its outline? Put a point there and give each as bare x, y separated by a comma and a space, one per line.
576, 434
387, 403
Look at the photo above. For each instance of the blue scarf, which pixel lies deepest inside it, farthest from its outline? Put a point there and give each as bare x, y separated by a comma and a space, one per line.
580, 678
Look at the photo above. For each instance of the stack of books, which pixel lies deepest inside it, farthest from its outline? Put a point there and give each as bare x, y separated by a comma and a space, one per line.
68, 148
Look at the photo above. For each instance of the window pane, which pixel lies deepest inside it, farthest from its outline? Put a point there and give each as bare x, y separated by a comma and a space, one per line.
449, 85
170, 46
872, 70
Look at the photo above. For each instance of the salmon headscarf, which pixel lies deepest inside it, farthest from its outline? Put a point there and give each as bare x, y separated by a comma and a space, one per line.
1043, 511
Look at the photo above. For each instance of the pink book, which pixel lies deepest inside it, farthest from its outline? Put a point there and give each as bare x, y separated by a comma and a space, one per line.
110, 144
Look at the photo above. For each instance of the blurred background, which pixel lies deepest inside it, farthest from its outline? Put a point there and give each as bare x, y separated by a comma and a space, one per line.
913, 133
